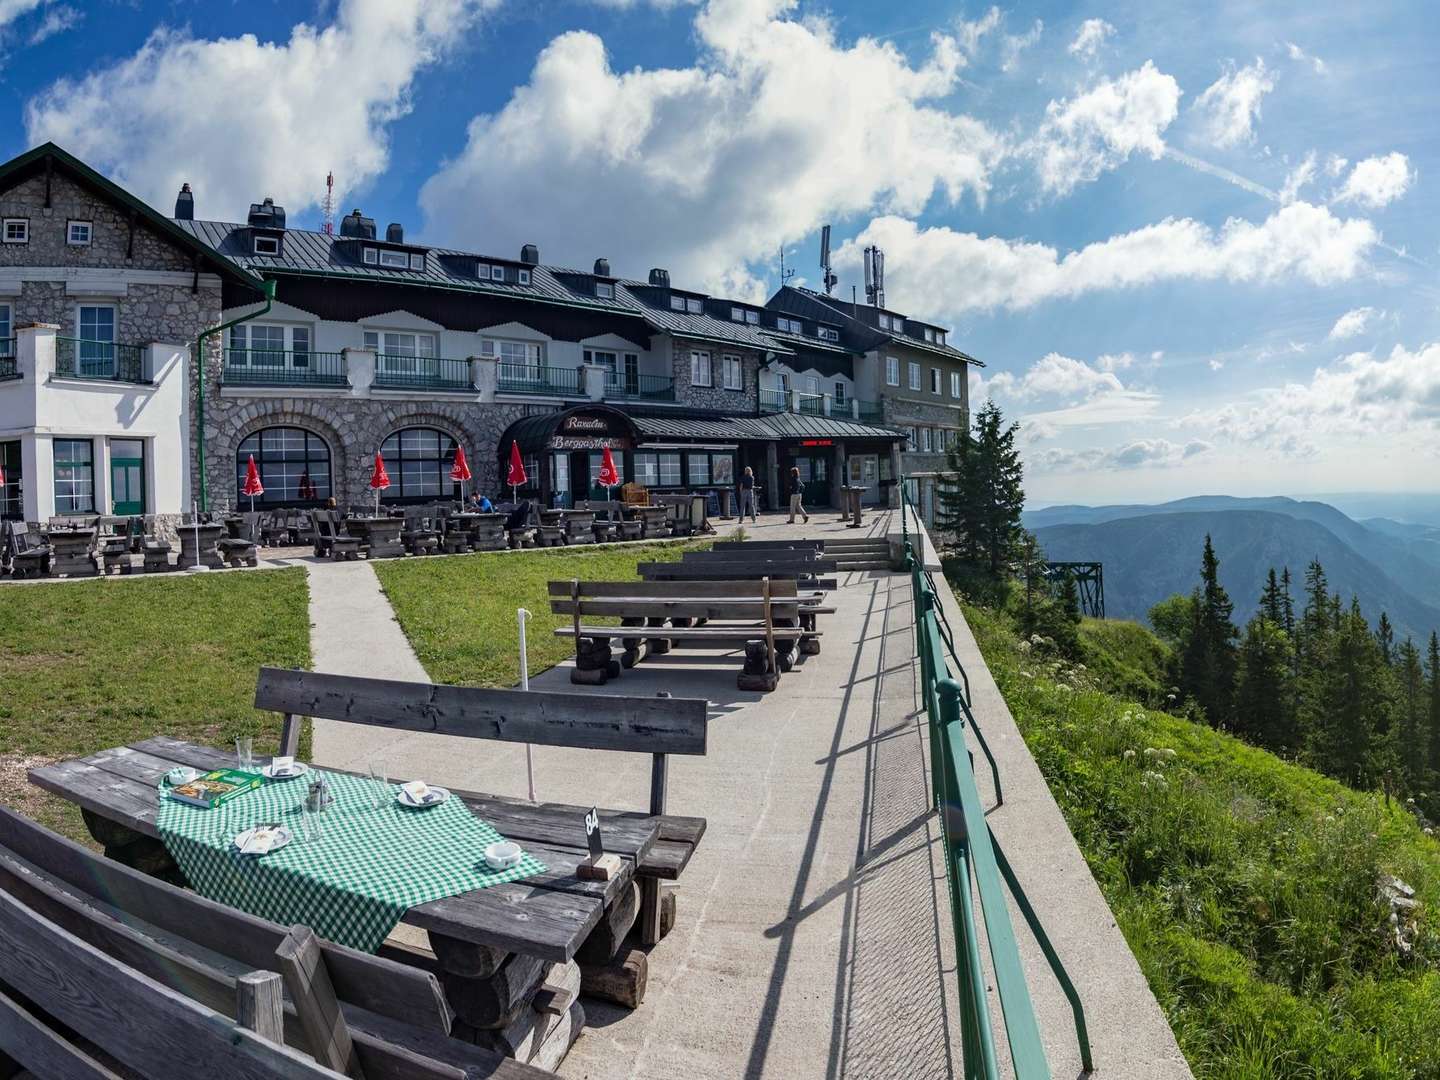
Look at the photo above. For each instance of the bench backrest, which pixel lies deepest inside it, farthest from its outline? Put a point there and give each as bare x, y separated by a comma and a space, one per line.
723, 600
767, 545
708, 590
671, 571
586, 721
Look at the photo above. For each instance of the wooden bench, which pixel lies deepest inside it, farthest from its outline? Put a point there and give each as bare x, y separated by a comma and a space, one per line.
764, 617
241, 547
657, 726
147, 976
26, 554
330, 540
817, 546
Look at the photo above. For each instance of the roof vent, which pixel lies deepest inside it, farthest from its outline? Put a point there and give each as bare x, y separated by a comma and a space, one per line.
394, 233
185, 204
602, 267
266, 215
352, 224
660, 277
530, 255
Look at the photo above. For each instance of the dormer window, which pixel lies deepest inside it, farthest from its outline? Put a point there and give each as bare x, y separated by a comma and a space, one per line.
417, 261
497, 273
693, 306
788, 326
605, 290
371, 257
678, 303
395, 260
827, 334
523, 277
737, 314
753, 318
939, 337
483, 271
267, 245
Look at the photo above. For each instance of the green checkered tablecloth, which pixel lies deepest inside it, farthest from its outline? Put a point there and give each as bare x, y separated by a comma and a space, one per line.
352, 885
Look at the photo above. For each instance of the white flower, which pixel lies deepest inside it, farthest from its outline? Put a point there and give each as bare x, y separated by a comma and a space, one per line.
1129, 755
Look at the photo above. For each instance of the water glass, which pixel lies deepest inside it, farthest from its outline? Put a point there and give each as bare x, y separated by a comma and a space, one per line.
379, 782
311, 826
245, 754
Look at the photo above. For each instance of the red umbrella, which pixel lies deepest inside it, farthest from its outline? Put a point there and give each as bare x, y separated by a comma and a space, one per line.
379, 480
252, 487
307, 486
609, 475
460, 470
515, 477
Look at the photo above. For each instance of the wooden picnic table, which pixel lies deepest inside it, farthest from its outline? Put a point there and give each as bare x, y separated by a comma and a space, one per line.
70, 551
207, 552
547, 917
379, 536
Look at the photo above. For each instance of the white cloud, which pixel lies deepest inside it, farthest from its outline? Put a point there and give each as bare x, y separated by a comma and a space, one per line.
704, 168
1297, 178
1098, 130
1057, 376
1295, 52
58, 18
1015, 44
240, 118
1115, 361
1352, 323
1230, 106
940, 272
1377, 181
968, 34
10, 10
1137, 454
1335, 165
1091, 36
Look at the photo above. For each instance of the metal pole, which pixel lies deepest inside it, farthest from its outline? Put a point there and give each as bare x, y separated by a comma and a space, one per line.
195, 513
521, 615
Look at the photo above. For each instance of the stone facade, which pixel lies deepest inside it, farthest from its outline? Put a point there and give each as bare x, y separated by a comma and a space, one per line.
110, 230
739, 402
904, 413
353, 429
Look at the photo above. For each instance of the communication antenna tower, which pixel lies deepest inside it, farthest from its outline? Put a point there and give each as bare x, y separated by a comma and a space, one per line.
785, 275
827, 275
874, 277
327, 208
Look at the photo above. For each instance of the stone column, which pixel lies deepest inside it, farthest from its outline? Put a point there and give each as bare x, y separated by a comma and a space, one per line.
772, 475
360, 370
793, 400
485, 371
855, 409
825, 404
35, 351
895, 472
838, 478
592, 381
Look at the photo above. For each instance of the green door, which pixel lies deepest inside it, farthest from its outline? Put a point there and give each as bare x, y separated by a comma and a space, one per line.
127, 477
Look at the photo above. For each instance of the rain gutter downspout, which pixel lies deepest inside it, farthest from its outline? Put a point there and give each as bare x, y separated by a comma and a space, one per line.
268, 288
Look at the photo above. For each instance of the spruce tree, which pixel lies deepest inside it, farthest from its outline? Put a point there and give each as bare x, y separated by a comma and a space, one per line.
1288, 622
1432, 677
1350, 735
1272, 601
1264, 689
1385, 638
981, 497
1207, 670
1413, 715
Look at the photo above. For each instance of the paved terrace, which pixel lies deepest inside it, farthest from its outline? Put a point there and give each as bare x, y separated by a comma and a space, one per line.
813, 936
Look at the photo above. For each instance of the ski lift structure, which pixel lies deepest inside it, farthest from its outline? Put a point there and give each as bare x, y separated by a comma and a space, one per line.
1089, 583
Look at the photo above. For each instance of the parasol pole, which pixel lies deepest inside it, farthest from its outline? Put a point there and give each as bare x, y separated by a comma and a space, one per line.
521, 615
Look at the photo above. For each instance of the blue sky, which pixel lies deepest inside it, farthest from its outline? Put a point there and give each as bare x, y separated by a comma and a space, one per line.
1193, 243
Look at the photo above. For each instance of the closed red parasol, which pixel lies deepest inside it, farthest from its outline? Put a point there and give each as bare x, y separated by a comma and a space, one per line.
379, 480
609, 475
253, 486
460, 471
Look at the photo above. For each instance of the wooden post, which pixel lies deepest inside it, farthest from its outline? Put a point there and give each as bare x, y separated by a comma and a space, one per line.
575, 615
260, 1004
769, 624
290, 735
308, 980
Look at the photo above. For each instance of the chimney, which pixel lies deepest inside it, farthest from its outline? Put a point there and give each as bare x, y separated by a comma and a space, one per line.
353, 224
185, 204
394, 233
266, 215
602, 267
660, 277
530, 255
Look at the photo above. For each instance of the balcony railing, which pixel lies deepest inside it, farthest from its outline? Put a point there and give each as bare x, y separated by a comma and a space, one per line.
869, 412
811, 404
534, 379
79, 358
276, 367
8, 369
773, 401
639, 387
422, 373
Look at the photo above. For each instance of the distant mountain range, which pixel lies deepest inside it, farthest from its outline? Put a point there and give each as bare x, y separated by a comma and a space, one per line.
1151, 552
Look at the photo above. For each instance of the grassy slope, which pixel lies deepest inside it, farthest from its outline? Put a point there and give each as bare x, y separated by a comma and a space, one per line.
459, 613
1246, 886
94, 664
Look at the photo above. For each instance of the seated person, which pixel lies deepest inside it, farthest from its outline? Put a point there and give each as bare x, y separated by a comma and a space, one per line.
519, 517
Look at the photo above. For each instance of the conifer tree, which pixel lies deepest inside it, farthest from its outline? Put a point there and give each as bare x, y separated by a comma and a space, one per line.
1349, 734
1272, 602
1264, 689
1288, 605
980, 499
1432, 676
1413, 715
1385, 638
1207, 669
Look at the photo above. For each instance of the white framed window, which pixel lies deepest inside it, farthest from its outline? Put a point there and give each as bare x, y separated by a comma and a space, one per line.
914, 375
700, 369
694, 306
734, 373
400, 352
482, 271
828, 334
7, 331
840, 392
371, 257
883, 320
737, 314
74, 476
956, 386
417, 261
935, 381
926, 440
753, 318
497, 273
17, 231
396, 260
912, 438
782, 381
892, 371
605, 290
523, 277
519, 360
939, 337
788, 326
699, 470
77, 233
677, 303
95, 327
267, 245
812, 385
269, 345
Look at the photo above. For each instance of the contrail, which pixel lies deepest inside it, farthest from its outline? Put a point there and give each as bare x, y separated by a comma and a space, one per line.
1222, 174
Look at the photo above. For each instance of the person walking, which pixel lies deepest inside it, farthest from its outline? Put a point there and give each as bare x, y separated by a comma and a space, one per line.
797, 496
747, 493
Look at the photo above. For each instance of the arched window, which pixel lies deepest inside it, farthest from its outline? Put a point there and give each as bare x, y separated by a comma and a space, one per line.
418, 460
294, 466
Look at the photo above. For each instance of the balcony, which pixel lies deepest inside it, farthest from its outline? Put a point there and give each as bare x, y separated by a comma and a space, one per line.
77, 358
8, 369
773, 401
869, 412
274, 367
394, 372
810, 404
624, 387
534, 379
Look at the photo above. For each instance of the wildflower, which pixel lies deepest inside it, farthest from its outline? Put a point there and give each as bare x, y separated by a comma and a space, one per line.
1024, 646
1079, 667
1129, 755
1036, 639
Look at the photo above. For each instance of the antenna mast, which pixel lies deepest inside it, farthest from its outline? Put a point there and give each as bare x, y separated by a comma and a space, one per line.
827, 275
327, 208
785, 275
874, 277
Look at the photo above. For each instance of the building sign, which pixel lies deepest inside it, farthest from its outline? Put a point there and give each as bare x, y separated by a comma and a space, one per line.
592, 431
817, 442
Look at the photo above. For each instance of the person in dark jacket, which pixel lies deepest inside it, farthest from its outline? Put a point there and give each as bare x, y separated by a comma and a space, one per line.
797, 496
747, 492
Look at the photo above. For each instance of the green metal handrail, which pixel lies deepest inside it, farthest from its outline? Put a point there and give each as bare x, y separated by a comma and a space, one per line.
398, 371
811, 404
619, 384
973, 854
9, 365
81, 358
281, 367
870, 412
515, 378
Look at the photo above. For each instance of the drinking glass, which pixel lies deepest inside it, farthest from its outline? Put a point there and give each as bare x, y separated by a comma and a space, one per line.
311, 828
244, 754
379, 782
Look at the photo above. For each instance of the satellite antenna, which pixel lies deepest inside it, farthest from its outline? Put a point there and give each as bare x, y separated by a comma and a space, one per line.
828, 277
785, 275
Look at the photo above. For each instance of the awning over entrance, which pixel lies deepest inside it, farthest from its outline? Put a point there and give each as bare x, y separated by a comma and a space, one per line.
586, 427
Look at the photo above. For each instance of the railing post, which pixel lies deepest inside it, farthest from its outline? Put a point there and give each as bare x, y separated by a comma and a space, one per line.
359, 370
35, 351
485, 373
592, 381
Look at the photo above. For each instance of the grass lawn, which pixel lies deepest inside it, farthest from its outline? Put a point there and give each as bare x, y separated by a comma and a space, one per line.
94, 664
459, 612
1252, 891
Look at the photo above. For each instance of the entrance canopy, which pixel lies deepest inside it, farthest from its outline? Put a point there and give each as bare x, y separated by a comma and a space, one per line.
585, 427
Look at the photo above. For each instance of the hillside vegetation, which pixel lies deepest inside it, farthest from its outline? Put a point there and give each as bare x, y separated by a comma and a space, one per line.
1285, 922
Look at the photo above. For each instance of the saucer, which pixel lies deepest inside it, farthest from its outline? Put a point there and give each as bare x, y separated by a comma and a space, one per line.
297, 769
436, 796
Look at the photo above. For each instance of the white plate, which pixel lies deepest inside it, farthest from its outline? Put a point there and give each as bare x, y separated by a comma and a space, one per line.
285, 836
403, 798
299, 768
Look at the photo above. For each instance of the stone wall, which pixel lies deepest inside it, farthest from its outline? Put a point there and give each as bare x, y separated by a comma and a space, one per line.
716, 397
353, 428
110, 230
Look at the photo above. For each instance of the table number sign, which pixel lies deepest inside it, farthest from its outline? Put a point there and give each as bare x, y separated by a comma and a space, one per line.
599, 866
